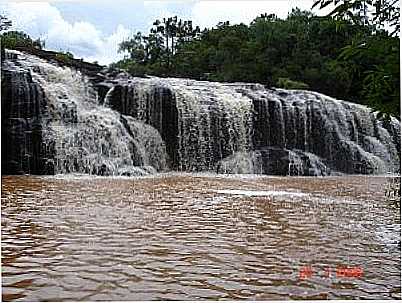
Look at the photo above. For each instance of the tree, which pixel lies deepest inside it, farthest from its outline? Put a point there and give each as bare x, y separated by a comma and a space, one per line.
174, 32
136, 47
374, 56
380, 13
155, 52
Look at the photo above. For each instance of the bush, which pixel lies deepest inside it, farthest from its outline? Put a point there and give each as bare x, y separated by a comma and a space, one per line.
65, 57
14, 39
290, 84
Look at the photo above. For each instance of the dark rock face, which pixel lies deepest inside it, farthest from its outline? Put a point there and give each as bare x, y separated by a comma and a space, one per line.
154, 105
58, 120
23, 109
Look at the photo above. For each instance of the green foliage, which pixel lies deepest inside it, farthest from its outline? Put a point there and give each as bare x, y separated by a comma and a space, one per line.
299, 48
65, 57
373, 57
376, 13
14, 39
154, 52
290, 84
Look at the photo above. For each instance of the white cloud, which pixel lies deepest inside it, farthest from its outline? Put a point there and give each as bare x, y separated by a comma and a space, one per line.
157, 9
109, 46
209, 13
82, 38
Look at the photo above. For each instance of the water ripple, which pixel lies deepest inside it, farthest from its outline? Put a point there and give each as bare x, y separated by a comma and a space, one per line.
193, 237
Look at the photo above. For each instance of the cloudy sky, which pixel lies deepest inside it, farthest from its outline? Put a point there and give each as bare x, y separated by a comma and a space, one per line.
92, 29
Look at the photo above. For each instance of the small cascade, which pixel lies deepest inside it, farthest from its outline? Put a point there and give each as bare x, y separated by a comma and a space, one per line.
106, 101
214, 121
149, 144
241, 163
274, 161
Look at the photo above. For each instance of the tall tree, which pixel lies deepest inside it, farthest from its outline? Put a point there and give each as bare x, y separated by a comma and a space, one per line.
162, 43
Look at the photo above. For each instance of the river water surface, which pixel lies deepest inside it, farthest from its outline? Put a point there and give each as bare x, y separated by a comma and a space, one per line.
195, 237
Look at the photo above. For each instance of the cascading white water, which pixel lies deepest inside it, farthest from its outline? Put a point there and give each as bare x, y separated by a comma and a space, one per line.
217, 120
335, 130
84, 136
214, 120
242, 163
149, 144
237, 127
273, 161
198, 103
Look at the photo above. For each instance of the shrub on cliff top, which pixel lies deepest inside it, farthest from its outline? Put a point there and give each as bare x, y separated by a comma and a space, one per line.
15, 39
290, 84
66, 57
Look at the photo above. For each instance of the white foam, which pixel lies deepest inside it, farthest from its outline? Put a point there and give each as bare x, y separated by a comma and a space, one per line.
254, 193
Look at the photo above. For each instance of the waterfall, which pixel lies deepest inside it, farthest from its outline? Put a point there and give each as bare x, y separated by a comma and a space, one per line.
82, 135
211, 120
58, 120
274, 161
211, 116
218, 120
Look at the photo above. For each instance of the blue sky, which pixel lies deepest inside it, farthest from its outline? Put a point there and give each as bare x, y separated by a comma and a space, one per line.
92, 29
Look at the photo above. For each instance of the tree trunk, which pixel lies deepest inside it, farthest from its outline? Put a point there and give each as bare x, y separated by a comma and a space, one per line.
167, 49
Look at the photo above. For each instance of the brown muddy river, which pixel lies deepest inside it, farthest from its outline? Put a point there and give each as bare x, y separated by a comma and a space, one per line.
196, 237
